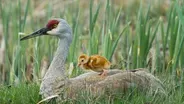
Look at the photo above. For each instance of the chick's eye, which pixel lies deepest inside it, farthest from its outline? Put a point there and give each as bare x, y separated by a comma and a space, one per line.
82, 60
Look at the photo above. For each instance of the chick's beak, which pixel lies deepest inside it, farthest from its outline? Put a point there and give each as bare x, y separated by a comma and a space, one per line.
39, 32
78, 65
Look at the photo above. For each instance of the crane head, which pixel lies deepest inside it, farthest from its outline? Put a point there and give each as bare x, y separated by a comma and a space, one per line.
54, 27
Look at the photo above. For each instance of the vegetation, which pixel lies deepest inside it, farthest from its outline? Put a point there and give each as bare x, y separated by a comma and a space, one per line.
133, 36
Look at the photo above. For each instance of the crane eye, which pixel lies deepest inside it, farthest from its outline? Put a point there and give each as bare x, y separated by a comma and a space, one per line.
55, 25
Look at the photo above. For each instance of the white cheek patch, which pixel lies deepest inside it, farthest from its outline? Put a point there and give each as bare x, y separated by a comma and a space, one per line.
52, 32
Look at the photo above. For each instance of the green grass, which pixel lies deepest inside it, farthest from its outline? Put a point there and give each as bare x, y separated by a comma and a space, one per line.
132, 37
19, 94
29, 94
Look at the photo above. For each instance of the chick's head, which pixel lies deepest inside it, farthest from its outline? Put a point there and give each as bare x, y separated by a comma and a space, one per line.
83, 59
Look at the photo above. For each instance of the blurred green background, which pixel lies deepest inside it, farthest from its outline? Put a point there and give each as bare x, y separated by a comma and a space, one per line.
130, 33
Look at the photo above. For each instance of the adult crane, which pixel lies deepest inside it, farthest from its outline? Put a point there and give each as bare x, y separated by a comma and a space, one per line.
56, 82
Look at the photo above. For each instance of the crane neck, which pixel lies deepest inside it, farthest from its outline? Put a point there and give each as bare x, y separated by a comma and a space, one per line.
57, 66
56, 72
62, 51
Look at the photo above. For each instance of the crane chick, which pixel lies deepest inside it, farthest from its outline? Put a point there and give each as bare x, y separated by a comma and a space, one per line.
96, 63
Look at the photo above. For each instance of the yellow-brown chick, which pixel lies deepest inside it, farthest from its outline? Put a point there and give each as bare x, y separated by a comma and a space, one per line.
96, 63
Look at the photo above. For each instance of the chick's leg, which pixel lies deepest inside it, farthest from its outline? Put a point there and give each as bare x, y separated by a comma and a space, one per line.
104, 73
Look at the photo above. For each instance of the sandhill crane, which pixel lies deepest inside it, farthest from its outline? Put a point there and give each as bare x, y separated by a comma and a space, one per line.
56, 81
61, 29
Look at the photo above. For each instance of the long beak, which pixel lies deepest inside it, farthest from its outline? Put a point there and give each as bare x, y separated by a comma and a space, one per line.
40, 32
